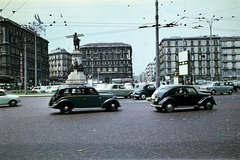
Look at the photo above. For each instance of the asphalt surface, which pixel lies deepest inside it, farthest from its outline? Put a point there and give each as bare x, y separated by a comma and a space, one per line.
136, 131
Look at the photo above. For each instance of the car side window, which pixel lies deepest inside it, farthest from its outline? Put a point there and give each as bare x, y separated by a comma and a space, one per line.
191, 91
77, 91
2, 94
179, 91
150, 87
90, 91
221, 84
115, 87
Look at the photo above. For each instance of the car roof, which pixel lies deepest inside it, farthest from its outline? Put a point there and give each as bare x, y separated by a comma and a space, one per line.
176, 86
75, 86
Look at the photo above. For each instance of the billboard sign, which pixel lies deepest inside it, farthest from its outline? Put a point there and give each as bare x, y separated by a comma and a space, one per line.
183, 63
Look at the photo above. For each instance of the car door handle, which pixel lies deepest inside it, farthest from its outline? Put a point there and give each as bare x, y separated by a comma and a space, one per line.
186, 96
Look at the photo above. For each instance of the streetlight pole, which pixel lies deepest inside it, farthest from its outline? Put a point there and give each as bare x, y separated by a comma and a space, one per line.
210, 22
157, 48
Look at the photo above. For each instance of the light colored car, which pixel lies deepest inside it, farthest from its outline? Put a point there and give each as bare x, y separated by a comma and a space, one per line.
216, 87
117, 89
5, 98
128, 86
52, 89
41, 89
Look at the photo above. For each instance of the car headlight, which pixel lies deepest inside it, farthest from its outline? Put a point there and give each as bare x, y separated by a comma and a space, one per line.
155, 99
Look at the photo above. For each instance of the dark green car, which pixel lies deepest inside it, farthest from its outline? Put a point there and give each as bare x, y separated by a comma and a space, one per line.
67, 98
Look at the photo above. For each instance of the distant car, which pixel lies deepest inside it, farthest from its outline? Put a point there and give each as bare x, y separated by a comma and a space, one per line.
5, 98
52, 89
236, 87
128, 86
67, 98
216, 87
41, 89
178, 96
145, 92
117, 89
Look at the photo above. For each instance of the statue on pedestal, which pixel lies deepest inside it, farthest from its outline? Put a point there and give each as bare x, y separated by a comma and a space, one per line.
76, 41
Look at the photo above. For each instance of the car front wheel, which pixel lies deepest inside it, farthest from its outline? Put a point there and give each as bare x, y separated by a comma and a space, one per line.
230, 92
66, 108
13, 103
208, 105
143, 96
213, 92
112, 106
238, 90
168, 107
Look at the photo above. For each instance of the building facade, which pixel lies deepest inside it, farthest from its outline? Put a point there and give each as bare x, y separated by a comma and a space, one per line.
107, 61
13, 38
60, 62
230, 62
225, 57
149, 72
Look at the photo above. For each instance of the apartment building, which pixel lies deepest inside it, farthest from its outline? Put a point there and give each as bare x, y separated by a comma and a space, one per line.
225, 63
107, 61
13, 39
60, 62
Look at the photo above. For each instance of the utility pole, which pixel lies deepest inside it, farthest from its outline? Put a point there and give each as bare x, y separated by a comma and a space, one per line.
35, 32
25, 66
157, 48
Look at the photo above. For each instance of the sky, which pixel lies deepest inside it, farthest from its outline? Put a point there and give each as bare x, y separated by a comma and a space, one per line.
119, 21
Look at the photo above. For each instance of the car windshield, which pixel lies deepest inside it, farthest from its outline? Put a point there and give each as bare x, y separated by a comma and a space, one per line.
208, 84
161, 91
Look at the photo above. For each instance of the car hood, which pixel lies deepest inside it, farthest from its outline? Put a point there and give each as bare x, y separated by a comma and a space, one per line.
102, 93
12, 96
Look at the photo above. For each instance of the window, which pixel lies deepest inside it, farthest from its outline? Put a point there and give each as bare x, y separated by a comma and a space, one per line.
191, 91
179, 91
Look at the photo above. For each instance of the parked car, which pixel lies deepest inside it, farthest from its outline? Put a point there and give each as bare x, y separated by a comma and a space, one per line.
177, 96
41, 89
5, 98
145, 92
67, 98
236, 87
117, 89
216, 87
128, 86
52, 89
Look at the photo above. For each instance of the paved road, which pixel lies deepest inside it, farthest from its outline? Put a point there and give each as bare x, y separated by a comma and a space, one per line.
135, 131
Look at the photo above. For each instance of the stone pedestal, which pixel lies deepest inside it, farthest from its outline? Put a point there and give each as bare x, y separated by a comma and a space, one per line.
76, 77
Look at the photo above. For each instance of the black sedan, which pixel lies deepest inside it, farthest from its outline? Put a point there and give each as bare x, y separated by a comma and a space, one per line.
179, 96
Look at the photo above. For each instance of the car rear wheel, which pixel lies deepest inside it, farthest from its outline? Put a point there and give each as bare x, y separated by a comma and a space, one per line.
168, 107
213, 92
66, 108
13, 103
112, 106
208, 105
237, 90
143, 96
230, 92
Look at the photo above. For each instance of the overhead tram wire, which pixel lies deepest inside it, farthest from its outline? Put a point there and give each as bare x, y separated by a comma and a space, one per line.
18, 8
7, 5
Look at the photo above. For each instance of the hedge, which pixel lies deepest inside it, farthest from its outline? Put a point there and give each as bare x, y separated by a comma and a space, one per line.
23, 91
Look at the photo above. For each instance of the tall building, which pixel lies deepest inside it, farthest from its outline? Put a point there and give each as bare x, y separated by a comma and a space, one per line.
107, 61
230, 62
12, 42
149, 72
225, 61
60, 62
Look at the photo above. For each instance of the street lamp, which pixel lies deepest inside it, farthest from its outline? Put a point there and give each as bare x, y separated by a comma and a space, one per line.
210, 22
